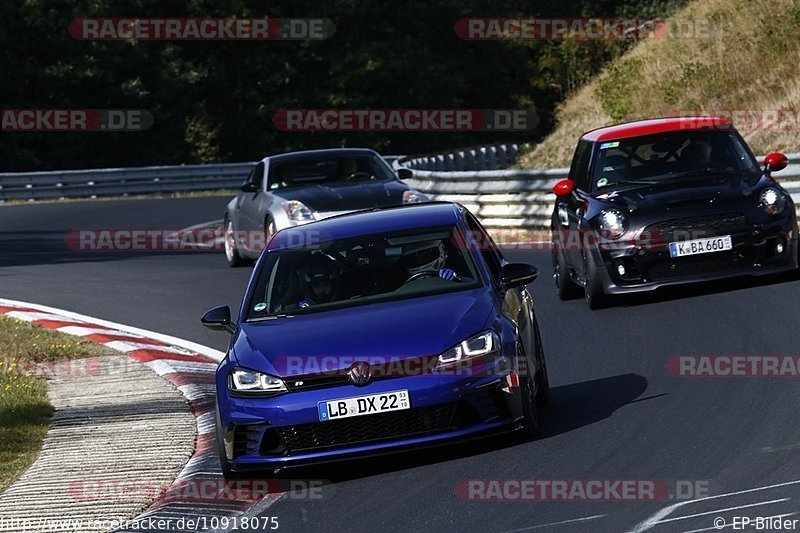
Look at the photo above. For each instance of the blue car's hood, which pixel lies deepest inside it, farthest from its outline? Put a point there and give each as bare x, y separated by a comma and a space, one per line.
401, 329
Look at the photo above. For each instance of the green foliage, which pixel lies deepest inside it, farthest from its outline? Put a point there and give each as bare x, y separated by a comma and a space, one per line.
614, 89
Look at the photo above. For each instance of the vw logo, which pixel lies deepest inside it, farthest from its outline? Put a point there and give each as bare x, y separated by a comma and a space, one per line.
359, 373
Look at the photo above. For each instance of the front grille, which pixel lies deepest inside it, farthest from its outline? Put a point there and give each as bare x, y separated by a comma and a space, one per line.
371, 428
695, 265
246, 439
697, 227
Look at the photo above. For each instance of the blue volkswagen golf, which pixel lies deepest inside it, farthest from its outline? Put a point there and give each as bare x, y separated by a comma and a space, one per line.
376, 332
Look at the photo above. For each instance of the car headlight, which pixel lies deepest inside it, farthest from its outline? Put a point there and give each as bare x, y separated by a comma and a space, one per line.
613, 223
480, 345
772, 201
297, 211
414, 197
243, 381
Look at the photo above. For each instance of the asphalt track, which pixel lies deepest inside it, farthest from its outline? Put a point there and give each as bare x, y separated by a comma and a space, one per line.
616, 413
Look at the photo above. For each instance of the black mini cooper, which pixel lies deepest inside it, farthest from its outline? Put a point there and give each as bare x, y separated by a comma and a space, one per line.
666, 201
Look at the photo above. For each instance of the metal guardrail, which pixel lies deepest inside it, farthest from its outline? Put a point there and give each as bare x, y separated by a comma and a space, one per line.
495, 157
523, 198
500, 198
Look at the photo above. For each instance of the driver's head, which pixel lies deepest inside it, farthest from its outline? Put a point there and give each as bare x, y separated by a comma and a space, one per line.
348, 167
697, 153
321, 279
421, 256
286, 173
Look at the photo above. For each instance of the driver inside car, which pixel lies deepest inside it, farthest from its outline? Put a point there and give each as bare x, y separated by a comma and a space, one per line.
428, 256
320, 281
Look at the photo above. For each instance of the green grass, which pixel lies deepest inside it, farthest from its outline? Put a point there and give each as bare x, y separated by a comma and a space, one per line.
25, 410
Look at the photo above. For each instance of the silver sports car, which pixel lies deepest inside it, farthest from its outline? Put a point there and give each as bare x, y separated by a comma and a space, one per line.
300, 187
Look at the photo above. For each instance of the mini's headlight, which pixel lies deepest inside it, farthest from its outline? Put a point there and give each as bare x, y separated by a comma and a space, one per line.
297, 211
613, 223
251, 382
480, 345
772, 201
414, 197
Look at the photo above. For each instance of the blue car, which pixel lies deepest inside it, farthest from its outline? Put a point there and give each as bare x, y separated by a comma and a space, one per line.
375, 332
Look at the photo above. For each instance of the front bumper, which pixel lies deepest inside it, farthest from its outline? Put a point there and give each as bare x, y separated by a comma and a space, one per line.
649, 267
286, 431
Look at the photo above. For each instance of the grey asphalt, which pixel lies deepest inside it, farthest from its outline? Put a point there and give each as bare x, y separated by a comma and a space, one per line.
616, 413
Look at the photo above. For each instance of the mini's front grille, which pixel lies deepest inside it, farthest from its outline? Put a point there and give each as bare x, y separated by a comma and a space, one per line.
696, 265
697, 227
369, 428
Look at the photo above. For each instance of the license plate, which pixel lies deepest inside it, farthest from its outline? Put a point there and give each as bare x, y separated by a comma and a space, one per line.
700, 246
364, 405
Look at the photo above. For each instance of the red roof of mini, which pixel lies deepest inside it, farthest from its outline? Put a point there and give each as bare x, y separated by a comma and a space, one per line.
655, 125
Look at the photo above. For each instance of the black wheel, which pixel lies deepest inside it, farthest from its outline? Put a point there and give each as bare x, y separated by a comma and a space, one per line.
542, 380
567, 289
593, 293
231, 253
530, 409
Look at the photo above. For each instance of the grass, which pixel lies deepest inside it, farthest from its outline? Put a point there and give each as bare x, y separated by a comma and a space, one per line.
27, 353
745, 61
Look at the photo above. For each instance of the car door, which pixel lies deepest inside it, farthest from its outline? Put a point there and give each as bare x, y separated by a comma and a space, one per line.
250, 202
570, 209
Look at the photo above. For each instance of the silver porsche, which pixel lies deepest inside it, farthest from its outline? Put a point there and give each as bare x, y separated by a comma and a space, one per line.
301, 187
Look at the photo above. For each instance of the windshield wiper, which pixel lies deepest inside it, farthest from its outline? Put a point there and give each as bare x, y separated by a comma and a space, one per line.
705, 172
628, 182
270, 317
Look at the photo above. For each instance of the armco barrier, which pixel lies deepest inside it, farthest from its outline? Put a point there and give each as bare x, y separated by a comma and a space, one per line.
500, 198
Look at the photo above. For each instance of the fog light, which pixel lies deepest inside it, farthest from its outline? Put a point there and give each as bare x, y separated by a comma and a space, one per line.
779, 248
621, 270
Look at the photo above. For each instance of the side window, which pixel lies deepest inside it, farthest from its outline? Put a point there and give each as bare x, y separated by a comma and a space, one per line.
487, 248
579, 170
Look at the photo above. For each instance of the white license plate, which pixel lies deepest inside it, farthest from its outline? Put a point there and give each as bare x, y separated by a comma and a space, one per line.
364, 405
700, 246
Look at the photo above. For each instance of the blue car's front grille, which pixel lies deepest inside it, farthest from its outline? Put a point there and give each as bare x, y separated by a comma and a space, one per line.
350, 431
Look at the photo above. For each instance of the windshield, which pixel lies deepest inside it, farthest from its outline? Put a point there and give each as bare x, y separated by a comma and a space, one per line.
298, 172
361, 270
671, 155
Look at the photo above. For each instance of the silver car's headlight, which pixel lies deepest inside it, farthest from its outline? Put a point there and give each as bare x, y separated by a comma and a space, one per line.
297, 211
245, 381
486, 344
414, 197
772, 201
613, 223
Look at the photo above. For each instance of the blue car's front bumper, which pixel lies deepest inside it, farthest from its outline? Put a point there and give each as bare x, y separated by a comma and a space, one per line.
286, 431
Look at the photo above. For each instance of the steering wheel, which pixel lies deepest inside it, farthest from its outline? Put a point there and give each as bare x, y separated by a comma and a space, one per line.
423, 274
359, 175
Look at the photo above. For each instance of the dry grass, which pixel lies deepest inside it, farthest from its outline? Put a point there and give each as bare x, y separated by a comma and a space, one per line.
748, 62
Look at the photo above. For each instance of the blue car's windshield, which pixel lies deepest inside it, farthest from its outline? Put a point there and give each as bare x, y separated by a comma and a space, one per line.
362, 270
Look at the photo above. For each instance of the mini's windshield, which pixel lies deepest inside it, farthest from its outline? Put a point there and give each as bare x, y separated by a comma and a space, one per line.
362, 270
673, 155
297, 172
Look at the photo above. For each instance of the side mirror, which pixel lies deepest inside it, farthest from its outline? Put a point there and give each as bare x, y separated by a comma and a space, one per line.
775, 161
405, 173
250, 187
218, 319
564, 188
517, 274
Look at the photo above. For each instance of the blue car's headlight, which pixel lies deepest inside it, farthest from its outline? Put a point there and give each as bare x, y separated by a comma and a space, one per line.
242, 381
483, 345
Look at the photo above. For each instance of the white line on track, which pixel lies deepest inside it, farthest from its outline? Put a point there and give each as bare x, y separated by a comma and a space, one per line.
719, 511
562, 522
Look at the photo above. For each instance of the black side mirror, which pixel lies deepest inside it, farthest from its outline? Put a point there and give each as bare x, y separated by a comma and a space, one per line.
517, 274
250, 187
218, 319
405, 173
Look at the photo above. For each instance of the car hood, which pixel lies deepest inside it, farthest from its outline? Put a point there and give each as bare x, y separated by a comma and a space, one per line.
713, 193
345, 196
403, 329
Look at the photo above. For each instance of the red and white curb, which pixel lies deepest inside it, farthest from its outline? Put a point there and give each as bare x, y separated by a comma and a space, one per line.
189, 366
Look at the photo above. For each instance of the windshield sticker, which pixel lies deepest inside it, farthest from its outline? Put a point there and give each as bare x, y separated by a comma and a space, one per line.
602, 182
260, 306
609, 145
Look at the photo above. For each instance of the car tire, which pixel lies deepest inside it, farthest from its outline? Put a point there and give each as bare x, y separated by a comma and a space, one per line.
530, 409
542, 382
231, 253
593, 293
269, 230
567, 289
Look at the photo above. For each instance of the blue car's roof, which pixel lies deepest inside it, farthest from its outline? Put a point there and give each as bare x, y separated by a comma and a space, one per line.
322, 153
369, 222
